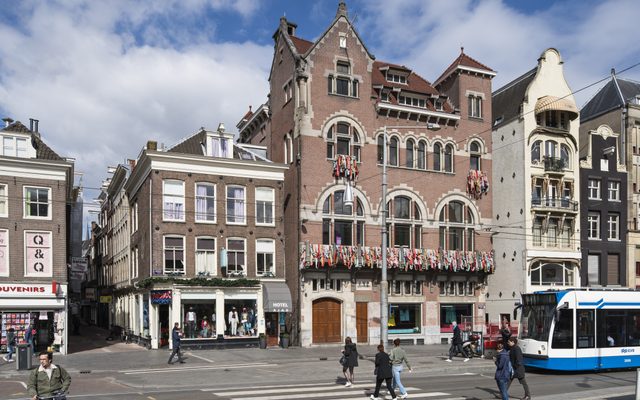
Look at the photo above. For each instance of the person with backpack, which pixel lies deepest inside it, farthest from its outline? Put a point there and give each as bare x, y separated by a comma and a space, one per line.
517, 362
503, 370
48, 380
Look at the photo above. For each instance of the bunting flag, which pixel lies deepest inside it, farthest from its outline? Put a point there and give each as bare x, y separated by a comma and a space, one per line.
345, 167
332, 256
477, 184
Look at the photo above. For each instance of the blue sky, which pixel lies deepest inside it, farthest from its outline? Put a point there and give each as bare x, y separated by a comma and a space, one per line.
103, 77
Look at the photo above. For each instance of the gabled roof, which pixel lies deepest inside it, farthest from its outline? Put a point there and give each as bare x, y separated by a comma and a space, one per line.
615, 94
301, 45
464, 60
415, 83
43, 152
506, 101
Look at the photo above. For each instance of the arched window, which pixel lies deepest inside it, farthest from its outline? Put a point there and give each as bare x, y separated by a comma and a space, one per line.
535, 152
437, 156
404, 223
448, 158
474, 156
456, 227
393, 151
340, 225
286, 150
422, 155
409, 162
564, 155
380, 149
552, 274
343, 139
550, 148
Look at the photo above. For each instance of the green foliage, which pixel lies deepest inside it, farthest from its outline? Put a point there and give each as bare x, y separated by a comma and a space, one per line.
198, 281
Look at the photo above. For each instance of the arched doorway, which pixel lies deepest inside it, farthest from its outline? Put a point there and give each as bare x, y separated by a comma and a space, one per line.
327, 327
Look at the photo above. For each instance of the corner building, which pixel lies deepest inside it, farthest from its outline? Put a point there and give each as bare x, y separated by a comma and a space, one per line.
333, 112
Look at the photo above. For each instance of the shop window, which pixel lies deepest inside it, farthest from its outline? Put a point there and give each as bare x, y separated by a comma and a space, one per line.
265, 257
205, 256
205, 202
174, 255
404, 319
245, 311
199, 318
236, 257
453, 312
265, 206
236, 205
37, 201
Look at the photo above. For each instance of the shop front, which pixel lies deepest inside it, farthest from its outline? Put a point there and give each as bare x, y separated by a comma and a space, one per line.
40, 307
277, 303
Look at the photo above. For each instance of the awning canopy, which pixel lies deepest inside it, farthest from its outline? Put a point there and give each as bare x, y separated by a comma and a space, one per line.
277, 297
547, 103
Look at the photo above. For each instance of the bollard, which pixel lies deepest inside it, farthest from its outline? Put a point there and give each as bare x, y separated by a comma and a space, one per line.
638, 384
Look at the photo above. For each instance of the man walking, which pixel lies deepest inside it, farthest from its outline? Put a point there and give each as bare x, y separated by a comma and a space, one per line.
48, 379
456, 343
11, 343
175, 338
517, 363
398, 357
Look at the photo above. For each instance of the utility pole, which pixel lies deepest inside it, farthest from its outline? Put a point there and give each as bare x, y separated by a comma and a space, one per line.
384, 284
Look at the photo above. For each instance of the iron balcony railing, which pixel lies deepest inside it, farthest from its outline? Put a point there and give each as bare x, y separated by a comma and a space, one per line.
554, 164
554, 202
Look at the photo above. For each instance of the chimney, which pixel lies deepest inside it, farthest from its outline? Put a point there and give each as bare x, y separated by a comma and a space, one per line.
152, 145
35, 123
132, 164
289, 26
342, 10
7, 121
31, 124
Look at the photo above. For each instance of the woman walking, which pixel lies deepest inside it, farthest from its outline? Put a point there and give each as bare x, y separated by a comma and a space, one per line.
351, 360
398, 357
503, 375
383, 373
517, 362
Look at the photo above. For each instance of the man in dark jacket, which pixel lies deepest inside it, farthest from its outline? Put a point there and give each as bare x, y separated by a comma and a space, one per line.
383, 373
48, 379
11, 343
456, 343
176, 334
505, 332
517, 362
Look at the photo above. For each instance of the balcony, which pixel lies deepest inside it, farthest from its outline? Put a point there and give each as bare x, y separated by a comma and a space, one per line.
554, 164
554, 203
405, 259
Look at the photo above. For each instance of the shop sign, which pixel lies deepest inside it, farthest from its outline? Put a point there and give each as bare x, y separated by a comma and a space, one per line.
27, 290
38, 253
105, 299
161, 297
90, 293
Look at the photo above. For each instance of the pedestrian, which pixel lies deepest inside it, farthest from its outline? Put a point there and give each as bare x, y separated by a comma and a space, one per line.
29, 336
383, 373
176, 334
505, 332
48, 379
351, 360
456, 343
517, 363
398, 356
233, 322
11, 343
503, 375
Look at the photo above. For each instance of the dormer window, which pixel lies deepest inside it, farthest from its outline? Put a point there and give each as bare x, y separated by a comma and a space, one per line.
438, 105
15, 146
397, 78
412, 101
384, 96
219, 147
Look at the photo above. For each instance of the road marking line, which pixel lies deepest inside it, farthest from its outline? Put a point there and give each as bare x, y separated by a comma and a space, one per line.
106, 350
297, 389
190, 369
273, 372
151, 398
200, 357
273, 386
343, 394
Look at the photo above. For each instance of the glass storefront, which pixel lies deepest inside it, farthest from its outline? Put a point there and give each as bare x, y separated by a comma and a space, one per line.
404, 318
453, 312
199, 319
241, 317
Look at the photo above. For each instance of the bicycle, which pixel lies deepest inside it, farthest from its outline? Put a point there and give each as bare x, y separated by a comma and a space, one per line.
58, 395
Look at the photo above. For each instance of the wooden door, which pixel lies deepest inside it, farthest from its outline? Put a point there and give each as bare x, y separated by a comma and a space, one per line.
362, 322
327, 327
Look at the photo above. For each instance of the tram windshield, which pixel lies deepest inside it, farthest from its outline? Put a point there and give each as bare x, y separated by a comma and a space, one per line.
537, 314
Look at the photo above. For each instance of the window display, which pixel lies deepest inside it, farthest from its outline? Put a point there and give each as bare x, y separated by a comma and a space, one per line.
404, 318
19, 322
199, 319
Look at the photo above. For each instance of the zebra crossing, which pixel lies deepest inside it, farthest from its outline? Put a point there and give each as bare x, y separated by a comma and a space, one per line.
321, 391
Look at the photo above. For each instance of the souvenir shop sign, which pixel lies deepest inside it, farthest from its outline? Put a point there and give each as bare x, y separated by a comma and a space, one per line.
161, 297
38, 260
4, 252
26, 290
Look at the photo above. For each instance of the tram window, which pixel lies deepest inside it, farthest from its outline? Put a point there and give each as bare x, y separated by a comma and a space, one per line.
633, 328
586, 329
611, 328
563, 332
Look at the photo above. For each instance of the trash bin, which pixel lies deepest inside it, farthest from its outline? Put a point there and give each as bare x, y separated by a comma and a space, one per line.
23, 357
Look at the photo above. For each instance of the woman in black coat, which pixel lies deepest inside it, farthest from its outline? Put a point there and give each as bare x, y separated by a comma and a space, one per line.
351, 360
383, 373
517, 362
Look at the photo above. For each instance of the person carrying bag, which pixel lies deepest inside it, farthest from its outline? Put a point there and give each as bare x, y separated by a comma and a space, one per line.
48, 380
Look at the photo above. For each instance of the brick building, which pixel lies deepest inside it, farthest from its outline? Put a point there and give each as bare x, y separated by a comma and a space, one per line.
36, 187
331, 106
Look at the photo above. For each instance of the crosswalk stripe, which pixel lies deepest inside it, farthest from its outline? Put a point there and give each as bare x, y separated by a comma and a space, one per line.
342, 394
300, 389
190, 368
274, 386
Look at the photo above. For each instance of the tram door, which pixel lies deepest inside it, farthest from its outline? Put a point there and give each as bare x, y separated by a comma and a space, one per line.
587, 354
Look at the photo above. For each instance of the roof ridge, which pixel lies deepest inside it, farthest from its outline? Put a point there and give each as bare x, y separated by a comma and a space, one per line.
514, 82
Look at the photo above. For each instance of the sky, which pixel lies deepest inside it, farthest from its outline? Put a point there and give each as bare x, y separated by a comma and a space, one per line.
103, 77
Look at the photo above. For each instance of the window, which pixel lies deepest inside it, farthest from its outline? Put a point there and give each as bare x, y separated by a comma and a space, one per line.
236, 257
381, 149
535, 152
448, 158
342, 82
4, 209
564, 156
618, 327
205, 202
391, 77
288, 91
174, 255
14, 146
437, 155
173, 200
205, 256
586, 329
474, 156
219, 147
613, 190
4, 252
134, 217
236, 205
134, 262
552, 274
439, 105
613, 224
456, 227
343, 139
550, 148
37, 202
410, 153
393, 151
412, 101
594, 189
593, 225
475, 106
265, 255
288, 149
404, 318
340, 225
265, 200
537, 231
422, 155
563, 333
38, 253
593, 269
405, 222
343, 42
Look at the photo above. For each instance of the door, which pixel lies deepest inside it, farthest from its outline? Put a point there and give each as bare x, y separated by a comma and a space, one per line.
362, 322
587, 353
271, 321
326, 321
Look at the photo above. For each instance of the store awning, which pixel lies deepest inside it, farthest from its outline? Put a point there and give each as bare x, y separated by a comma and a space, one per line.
277, 297
547, 103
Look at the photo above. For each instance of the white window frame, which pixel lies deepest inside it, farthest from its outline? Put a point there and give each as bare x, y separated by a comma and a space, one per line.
243, 272
272, 199
593, 188
613, 189
613, 227
15, 150
212, 269
475, 106
134, 217
244, 204
174, 249
5, 249
198, 216
177, 199
266, 246
24, 204
4, 199
593, 221
134, 262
